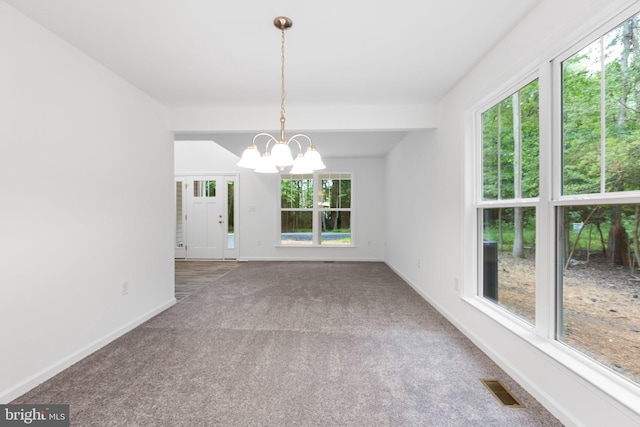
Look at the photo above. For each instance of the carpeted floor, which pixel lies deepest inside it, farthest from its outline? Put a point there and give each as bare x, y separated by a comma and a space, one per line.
193, 275
291, 344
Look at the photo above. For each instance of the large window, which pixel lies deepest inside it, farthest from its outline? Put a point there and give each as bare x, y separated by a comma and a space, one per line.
598, 250
321, 217
558, 241
507, 209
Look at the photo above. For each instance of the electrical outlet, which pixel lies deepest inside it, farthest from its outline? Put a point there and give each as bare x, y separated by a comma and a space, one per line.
456, 284
125, 288
259, 243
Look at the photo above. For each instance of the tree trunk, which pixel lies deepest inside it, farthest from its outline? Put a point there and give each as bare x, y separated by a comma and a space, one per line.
518, 217
618, 245
518, 233
636, 226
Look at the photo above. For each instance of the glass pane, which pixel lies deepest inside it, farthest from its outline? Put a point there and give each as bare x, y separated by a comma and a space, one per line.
296, 228
336, 192
490, 154
204, 188
211, 188
296, 193
231, 240
607, 70
581, 122
179, 216
530, 134
622, 81
336, 227
508, 259
510, 146
599, 306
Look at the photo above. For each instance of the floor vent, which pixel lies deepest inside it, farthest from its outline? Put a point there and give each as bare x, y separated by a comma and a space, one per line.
501, 393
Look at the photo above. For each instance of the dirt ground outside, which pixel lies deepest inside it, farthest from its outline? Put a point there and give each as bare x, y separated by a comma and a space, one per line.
601, 303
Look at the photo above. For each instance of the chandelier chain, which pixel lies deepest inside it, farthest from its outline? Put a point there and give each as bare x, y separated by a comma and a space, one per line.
282, 94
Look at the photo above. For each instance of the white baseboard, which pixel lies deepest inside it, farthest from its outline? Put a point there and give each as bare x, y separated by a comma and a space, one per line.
314, 259
47, 373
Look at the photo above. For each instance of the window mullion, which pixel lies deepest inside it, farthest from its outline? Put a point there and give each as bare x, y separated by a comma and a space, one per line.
545, 248
603, 120
315, 219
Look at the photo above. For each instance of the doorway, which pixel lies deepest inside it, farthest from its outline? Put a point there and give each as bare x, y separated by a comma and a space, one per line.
206, 217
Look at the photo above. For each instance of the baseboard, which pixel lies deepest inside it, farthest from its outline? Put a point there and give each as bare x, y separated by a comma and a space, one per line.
47, 373
311, 259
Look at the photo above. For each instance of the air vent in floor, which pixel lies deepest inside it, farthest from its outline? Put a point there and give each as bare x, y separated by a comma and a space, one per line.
501, 393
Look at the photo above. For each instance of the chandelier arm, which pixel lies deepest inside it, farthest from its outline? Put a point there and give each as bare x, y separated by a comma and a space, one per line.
271, 139
293, 138
303, 136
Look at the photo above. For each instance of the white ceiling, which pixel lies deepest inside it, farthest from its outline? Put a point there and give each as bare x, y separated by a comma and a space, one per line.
208, 53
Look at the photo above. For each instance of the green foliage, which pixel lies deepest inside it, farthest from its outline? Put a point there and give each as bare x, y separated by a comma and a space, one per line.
586, 81
498, 226
503, 129
296, 193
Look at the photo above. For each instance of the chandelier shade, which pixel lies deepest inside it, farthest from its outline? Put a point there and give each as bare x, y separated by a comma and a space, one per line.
265, 164
250, 157
280, 155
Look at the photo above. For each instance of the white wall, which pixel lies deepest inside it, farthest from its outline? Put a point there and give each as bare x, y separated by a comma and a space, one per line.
259, 199
433, 231
204, 157
87, 203
258, 238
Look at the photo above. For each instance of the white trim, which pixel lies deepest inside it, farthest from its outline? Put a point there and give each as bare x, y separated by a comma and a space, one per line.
545, 301
315, 210
48, 373
315, 246
315, 259
508, 203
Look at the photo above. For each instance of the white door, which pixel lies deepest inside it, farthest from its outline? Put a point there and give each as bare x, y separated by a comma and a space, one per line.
205, 217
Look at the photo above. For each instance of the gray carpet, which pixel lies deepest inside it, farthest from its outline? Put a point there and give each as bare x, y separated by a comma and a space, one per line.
291, 344
193, 275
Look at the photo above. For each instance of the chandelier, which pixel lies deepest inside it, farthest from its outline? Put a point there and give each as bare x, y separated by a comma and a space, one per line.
280, 155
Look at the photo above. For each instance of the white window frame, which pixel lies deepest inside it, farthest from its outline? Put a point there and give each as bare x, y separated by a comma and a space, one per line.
478, 203
316, 211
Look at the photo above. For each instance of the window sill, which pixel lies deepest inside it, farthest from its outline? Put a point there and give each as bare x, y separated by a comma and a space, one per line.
316, 246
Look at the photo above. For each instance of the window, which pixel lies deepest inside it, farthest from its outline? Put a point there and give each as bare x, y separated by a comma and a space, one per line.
296, 209
599, 253
310, 218
582, 289
335, 216
507, 209
204, 188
